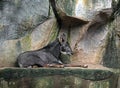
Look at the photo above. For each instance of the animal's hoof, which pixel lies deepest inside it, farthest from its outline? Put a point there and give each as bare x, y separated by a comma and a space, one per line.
49, 65
85, 66
29, 67
61, 66
55, 65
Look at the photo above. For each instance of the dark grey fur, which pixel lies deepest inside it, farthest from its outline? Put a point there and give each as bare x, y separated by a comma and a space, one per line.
48, 55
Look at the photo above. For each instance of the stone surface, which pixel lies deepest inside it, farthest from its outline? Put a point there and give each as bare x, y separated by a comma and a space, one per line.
112, 54
88, 74
43, 34
48, 78
10, 49
87, 8
90, 41
20, 31
83, 8
68, 6
20, 17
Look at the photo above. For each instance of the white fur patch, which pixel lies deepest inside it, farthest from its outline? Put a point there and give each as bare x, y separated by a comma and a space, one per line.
63, 52
20, 65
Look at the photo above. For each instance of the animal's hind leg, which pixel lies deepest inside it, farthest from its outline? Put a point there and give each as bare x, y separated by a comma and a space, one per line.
20, 65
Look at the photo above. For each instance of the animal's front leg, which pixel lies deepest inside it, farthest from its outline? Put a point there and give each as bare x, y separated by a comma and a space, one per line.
55, 65
29, 67
76, 65
34, 66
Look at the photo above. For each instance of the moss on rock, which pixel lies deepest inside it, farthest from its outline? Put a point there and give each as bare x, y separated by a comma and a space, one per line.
88, 74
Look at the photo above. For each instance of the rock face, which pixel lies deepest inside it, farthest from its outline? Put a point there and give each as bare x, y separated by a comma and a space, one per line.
90, 42
87, 8
112, 54
88, 74
18, 20
83, 8
18, 17
10, 49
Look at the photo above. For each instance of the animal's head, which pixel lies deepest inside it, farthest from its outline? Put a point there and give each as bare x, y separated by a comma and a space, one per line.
65, 47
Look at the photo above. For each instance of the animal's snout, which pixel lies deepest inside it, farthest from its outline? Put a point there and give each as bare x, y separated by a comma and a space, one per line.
70, 53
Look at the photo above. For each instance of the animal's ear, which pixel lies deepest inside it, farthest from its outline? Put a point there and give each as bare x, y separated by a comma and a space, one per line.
63, 38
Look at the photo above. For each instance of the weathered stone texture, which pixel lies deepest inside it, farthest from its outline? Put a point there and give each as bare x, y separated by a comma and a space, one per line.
26, 25
19, 17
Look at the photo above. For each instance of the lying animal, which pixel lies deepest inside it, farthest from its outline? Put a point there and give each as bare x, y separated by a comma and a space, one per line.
49, 54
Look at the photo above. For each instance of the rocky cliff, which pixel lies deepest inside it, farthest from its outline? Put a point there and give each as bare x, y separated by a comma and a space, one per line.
94, 38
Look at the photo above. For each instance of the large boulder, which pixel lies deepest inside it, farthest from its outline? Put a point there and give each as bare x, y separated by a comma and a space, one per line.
83, 8
20, 17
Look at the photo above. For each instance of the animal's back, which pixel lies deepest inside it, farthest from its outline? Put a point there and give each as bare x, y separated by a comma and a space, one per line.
39, 58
